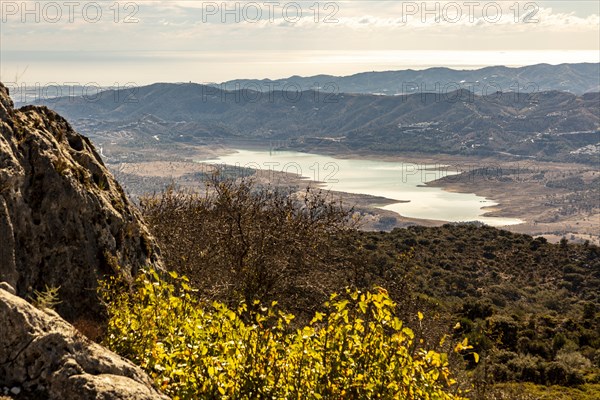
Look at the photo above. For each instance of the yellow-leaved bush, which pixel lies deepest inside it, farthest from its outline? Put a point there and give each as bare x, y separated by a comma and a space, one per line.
356, 349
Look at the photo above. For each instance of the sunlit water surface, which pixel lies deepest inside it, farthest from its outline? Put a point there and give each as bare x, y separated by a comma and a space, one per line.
393, 180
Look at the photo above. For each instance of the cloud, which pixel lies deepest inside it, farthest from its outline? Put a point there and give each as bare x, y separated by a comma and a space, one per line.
348, 27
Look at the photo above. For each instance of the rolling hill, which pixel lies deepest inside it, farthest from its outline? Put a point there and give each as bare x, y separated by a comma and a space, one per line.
574, 78
556, 126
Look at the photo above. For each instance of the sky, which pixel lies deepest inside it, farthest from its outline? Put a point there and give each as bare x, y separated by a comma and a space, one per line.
141, 42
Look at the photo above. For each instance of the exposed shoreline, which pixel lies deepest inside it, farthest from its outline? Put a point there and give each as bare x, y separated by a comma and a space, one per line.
511, 184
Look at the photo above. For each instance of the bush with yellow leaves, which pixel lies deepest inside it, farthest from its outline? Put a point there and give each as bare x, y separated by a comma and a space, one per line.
356, 349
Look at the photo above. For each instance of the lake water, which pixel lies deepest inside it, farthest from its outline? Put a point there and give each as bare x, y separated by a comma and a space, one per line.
393, 180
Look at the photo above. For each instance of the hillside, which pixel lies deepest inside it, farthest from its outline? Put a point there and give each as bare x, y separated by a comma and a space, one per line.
552, 126
525, 304
529, 307
573, 78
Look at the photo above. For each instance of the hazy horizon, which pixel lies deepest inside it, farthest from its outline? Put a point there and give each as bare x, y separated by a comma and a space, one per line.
158, 41
347, 65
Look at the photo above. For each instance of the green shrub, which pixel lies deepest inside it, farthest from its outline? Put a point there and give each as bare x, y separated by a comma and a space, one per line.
556, 373
529, 391
574, 359
528, 368
357, 348
47, 298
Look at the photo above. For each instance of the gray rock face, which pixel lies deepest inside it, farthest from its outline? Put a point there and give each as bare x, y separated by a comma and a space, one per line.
45, 357
64, 220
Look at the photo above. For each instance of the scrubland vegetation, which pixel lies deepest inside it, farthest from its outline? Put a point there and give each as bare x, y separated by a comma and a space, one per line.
255, 316
356, 348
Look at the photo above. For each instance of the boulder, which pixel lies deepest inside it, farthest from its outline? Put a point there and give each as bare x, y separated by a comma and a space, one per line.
42, 356
64, 220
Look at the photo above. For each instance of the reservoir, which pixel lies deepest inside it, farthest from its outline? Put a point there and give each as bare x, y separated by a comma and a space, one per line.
394, 180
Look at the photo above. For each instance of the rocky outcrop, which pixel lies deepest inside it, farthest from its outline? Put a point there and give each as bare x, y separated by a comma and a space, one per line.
64, 220
42, 356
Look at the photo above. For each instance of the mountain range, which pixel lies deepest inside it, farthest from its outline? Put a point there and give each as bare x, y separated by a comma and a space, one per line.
550, 125
574, 78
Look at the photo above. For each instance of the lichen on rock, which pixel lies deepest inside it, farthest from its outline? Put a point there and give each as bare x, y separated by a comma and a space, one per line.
64, 220
47, 358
